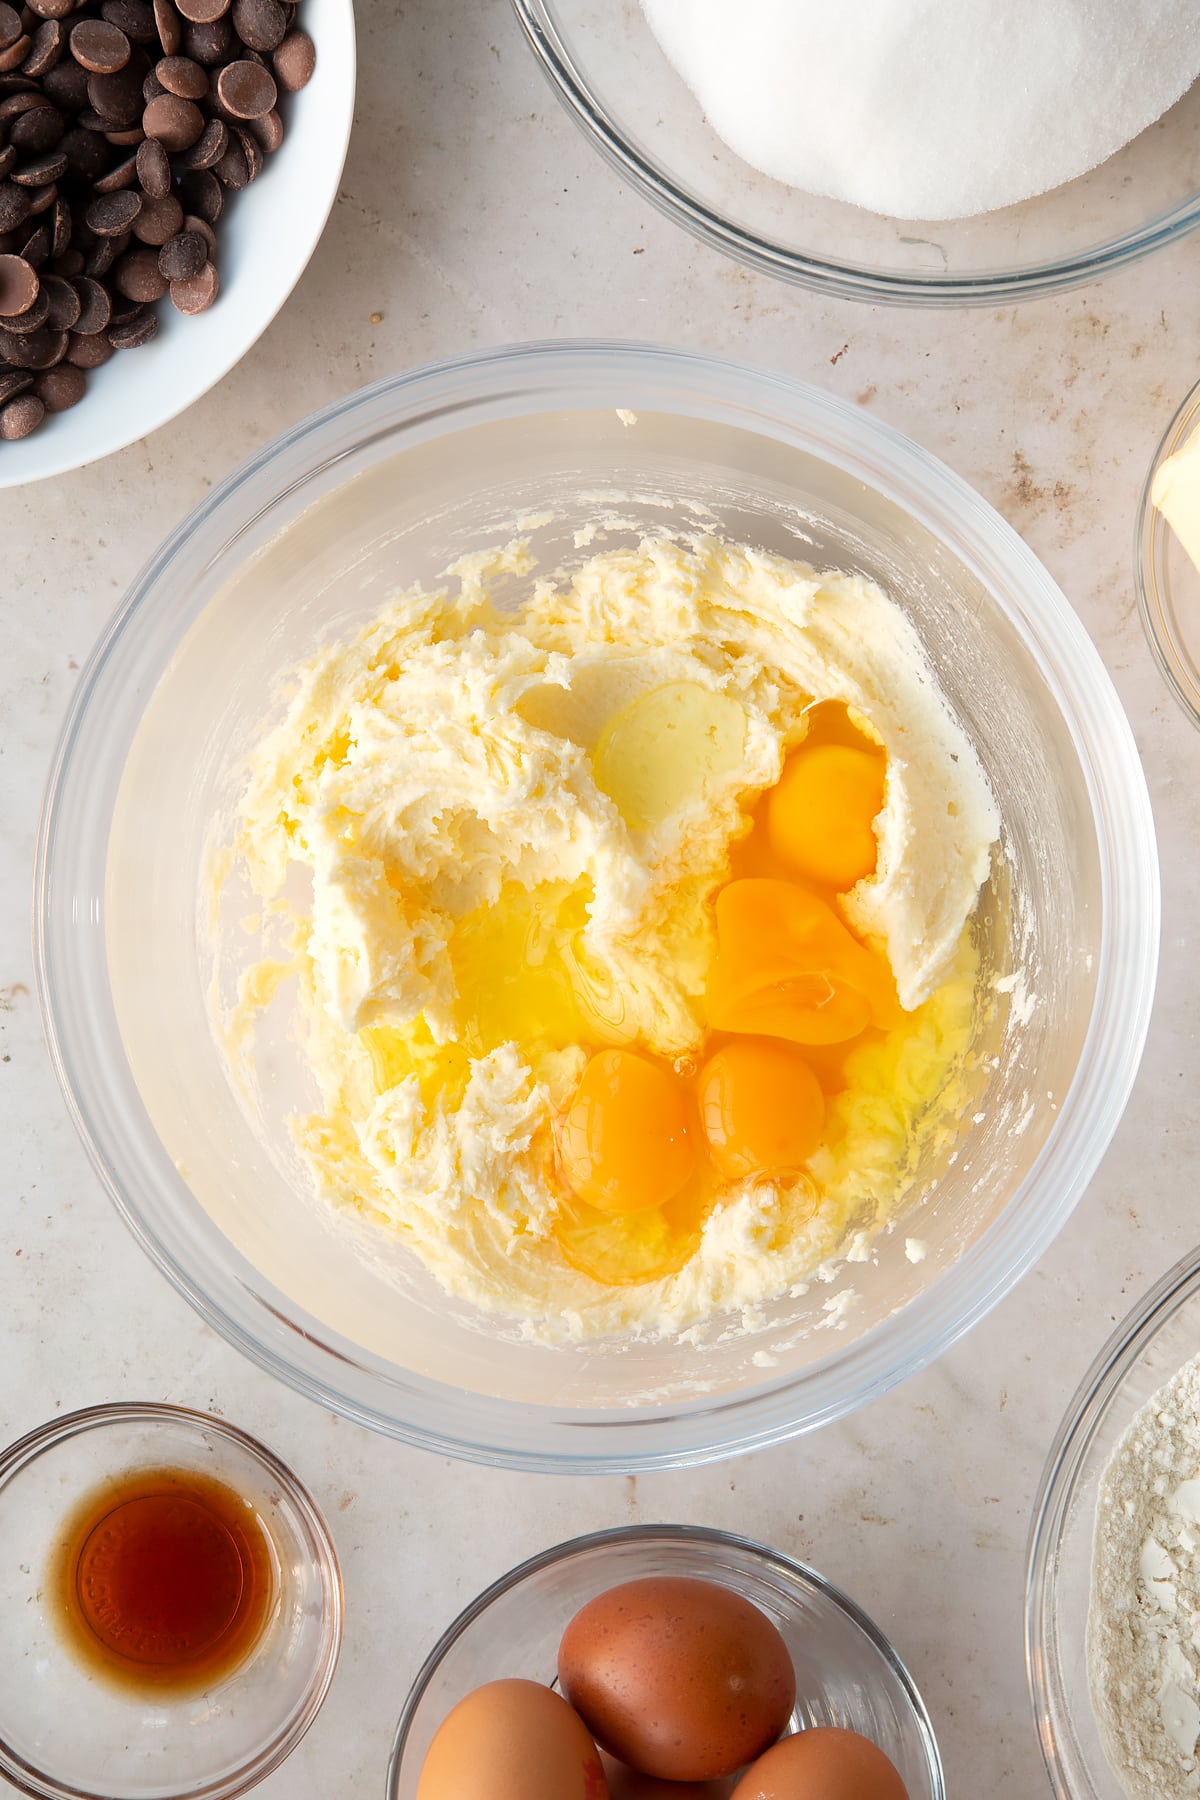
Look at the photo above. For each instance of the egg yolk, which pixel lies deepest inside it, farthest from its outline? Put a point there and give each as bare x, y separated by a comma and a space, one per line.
787, 967
821, 812
624, 1141
761, 1108
620, 1249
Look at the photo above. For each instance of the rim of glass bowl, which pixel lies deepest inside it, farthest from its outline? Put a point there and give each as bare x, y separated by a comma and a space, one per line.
1151, 543
850, 281
17, 1456
84, 1040
797, 1573
1060, 1477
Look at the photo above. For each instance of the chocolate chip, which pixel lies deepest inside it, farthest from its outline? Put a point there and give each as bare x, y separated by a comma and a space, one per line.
95, 306
52, 9
169, 26
10, 25
131, 333
174, 123
8, 157
180, 75
15, 381
15, 55
36, 350
45, 47
153, 169
42, 170
38, 130
294, 61
246, 91
88, 352
63, 302
203, 12
138, 276
19, 285
197, 292
260, 24
111, 214
21, 416
14, 206
13, 105
183, 256
99, 47
60, 387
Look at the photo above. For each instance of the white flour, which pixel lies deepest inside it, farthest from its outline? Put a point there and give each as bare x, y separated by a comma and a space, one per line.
930, 109
1144, 1621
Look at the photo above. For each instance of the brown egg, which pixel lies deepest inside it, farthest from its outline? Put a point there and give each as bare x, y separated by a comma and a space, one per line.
512, 1740
625, 1783
680, 1678
823, 1763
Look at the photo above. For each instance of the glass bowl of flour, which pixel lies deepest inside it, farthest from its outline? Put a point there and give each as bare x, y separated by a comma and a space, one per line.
889, 151
1113, 1598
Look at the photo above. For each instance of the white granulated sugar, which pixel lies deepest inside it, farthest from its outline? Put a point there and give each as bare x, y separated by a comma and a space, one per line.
1143, 1637
930, 109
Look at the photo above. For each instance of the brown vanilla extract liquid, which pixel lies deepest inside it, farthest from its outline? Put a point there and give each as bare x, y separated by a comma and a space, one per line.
163, 1580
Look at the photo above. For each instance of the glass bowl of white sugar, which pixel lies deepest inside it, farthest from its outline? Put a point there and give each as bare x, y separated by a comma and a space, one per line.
1112, 1617
898, 153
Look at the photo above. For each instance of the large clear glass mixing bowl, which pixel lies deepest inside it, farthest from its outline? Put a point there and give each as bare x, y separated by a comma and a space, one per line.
615, 81
311, 537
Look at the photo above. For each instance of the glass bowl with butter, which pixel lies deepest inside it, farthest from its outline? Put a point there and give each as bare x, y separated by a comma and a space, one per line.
596, 459
1167, 564
172, 1607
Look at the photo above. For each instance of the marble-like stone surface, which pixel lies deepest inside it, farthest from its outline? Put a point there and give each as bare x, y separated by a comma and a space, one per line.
472, 212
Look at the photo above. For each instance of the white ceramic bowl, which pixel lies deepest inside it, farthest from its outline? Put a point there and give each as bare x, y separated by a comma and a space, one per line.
264, 241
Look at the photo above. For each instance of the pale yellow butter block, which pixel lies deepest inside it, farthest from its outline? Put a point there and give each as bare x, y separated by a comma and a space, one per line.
1176, 494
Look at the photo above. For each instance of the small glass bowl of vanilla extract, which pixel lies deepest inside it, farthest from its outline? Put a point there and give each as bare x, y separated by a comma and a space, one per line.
170, 1607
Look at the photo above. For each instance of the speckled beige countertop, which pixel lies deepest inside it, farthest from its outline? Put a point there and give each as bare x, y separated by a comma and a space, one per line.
472, 212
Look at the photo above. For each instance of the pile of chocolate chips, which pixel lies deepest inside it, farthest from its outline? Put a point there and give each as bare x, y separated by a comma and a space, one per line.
123, 125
